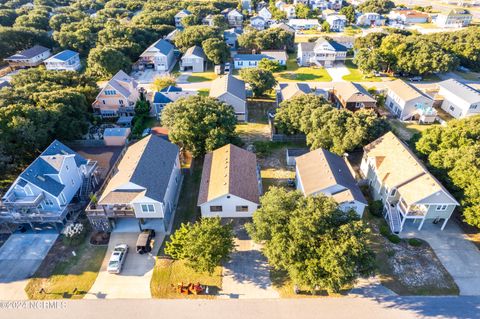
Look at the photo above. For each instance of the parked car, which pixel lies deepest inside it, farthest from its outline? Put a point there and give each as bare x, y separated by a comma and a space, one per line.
144, 241
415, 78
226, 68
117, 258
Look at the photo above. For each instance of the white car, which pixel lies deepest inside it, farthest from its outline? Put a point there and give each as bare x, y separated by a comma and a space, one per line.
117, 259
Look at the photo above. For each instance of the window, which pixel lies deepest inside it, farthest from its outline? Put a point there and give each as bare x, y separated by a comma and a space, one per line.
110, 92
393, 192
103, 101
148, 208
241, 208
216, 208
442, 207
473, 107
120, 101
73, 182
62, 197
48, 202
452, 108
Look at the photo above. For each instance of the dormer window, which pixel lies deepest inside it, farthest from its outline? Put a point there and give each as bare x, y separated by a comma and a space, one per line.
393, 192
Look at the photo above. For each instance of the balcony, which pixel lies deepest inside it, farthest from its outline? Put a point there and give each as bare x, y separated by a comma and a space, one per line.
412, 211
110, 211
15, 201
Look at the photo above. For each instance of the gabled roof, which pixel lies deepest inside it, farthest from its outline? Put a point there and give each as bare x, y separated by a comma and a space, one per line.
171, 88
196, 51
49, 163
233, 32
276, 54
229, 170
397, 167
293, 89
160, 98
182, 13
404, 90
146, 167
122, 77
228, 83
461, 90
321, 169
257, 18
250, 57
28, 53
63, 56
352, 92
163, 46
283, 26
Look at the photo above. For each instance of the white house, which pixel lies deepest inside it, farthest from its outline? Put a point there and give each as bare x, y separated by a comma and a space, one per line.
322, 172
406, 16
159, 56
406, 188
370, 19
29, 58
179, 16
231, 184
144, 187
230, 90
455, 18
322, 52
279, 4
265, 14
246, 5
337, 22
248, 61
44, 190
290, 11
408, 103
63, 61
116, 136
193, 60
158, 100
258, 22
459, 100
234, 18
304, 24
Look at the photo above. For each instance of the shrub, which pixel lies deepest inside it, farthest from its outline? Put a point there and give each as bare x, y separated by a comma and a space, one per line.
74, 234
415, 242
394, 238
376, 208
384, 230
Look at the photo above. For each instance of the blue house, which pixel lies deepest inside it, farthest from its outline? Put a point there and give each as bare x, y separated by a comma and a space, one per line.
165, 96
66, 60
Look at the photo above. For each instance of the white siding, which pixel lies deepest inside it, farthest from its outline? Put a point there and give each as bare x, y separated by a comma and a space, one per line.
229, 204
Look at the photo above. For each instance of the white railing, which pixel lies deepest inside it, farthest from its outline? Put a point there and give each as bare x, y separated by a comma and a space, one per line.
393, 217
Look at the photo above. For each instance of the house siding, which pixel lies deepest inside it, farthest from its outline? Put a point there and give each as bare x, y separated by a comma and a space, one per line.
228, 203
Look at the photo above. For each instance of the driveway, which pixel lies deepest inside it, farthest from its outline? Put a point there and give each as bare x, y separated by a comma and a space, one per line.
20, 256
337, 72
459, 256
246, 275
134, 280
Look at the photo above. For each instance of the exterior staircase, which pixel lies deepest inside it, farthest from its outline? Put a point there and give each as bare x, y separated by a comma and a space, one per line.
393, 217
86, 187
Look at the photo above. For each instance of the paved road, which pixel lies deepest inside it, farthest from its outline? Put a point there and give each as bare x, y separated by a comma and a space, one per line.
324, 308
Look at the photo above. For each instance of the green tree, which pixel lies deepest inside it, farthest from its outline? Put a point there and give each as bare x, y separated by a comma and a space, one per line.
36, 19
325, 26
370, 41
142, 107
453, 154
317, 244
260, 81
269, 65
248, 39
7, 17
200, 124
195, 35
17, 39
302, 11
105, 62
220, 22
370, 60
204, 245
349, 13
216, 50
377, 6
161, 82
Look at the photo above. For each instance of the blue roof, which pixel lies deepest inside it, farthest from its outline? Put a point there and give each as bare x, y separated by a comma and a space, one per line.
163, 46
171, 88
64, 55
337, 46
117, 131
251, 57
160, 98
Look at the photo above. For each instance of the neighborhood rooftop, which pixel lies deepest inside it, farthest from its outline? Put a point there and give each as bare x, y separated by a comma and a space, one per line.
463, 91
404, 90
29, 53
228, 83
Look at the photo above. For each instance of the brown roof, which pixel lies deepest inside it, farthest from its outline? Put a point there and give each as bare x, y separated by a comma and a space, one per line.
229, 170
120, 197
351, 92
412, 13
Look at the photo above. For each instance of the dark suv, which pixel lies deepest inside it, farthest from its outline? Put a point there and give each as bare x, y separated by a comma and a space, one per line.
144, 241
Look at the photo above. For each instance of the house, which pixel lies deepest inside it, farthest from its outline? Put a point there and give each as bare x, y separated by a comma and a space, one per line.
66, 60
231, 184
28, 58
234, 18
304, 24
370, 19
328, 12
230, 36
319, 4
455, 18
406, 188
179, 16
345, 40
351, 96
116, 136
265, 14
261, 4
193, 60
283, 26
171, 36
258, 22
158, 100
230, 90
4, 84
293, 153
337, 22
248, 61
322, 52
44, 191
304, 2
144, 187
159, 56
279, 4
290, 11
406, 16
408, 103
118, 97
246, 5
208, 20
280, 56
459, 99
291, 90
322, 172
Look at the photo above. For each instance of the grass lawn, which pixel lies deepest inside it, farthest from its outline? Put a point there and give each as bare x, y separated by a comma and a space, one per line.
204, 92
202, 77
167, 274
78, 272
356, 75
304, 74
407, 129
469, 76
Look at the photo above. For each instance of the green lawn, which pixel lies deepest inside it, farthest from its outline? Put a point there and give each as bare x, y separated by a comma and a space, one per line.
202, 77
75, 272
304, 74
167, 274
204, 92
356, 75
407, 129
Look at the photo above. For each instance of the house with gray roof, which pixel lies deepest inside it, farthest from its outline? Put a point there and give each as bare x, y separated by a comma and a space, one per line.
230, 36
143, 187
194, 60
44, 191
159, 56
321, 172
66, 60
230, 90
179, 16
28, 58
459, 99
322, 52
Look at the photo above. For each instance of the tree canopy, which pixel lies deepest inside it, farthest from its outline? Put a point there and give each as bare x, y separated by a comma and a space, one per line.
105, 62
204, 245
377, 6
317, 244
260, 80
195, 35
453, 153
200, 124
269, 39
216, 50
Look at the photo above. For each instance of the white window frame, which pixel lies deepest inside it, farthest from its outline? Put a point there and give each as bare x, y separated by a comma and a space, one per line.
148, 208
442, 208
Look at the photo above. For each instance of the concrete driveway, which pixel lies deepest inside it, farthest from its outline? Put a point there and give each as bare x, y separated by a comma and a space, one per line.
337, 72
459, 256
246, 275
20, 256
134, 280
